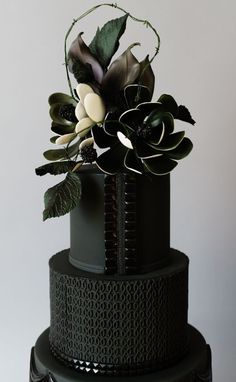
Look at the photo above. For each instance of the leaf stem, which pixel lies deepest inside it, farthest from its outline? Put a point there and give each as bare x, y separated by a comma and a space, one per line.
113, 5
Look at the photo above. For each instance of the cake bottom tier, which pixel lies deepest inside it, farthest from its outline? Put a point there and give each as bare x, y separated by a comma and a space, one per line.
194, 367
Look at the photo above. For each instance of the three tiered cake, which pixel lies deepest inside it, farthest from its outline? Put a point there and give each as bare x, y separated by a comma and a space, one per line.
119, 295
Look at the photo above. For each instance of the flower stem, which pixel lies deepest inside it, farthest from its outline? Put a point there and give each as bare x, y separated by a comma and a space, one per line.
113, 5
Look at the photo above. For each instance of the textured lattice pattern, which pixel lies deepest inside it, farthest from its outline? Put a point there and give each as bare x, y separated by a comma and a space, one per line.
119, 322
120, 224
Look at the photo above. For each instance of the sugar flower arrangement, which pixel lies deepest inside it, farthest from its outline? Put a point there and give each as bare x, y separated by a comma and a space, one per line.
111, 108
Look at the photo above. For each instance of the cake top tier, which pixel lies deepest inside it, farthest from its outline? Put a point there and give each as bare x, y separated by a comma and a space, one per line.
110, 106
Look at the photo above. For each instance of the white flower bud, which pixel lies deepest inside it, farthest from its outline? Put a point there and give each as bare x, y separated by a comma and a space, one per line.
80, 111
83, 126
82, 90
94, 107
66, 138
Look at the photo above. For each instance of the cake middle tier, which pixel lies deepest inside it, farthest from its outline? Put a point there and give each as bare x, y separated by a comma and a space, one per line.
119, 322
121, 224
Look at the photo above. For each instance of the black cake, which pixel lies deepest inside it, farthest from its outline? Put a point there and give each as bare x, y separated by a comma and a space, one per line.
119, 294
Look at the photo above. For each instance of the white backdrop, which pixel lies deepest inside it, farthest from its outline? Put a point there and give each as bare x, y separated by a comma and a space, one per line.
196, 65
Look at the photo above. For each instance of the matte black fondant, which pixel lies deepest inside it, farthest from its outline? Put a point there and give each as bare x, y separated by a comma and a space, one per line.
35, 375
122, 223
120, 321
191, 368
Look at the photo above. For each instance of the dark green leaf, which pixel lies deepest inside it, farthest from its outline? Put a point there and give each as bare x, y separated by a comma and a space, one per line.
184, 115
64, 153
106, 41
62, 198
181, 151
61, 129
122, 72
79, 51
169, 104
54, 138
55, 168
136, 94
147, 77
55, 114
160, 165
61, 98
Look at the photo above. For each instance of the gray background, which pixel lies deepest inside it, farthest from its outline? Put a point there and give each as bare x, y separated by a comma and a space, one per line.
196, 65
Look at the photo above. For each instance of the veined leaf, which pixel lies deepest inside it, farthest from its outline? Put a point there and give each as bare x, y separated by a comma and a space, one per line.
55, 168
64, 153
106, 41
184, 115
62, 198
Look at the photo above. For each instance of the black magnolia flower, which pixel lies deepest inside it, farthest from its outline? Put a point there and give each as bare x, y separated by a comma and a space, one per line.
142, 139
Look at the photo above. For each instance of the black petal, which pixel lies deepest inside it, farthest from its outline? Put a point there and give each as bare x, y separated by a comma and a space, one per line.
132, 162
136, 94
169, 104
171, 141
111, 124
102, 139
112, 161
160, 165
182, 150
148, 107
144, 150
132, 118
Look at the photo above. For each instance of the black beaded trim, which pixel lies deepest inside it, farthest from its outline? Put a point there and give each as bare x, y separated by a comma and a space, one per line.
130, 224
110, 228
120, 224
34, 375
88, 367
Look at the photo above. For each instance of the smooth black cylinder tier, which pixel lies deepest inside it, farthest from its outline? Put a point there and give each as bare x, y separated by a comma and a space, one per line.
118, 324
122, 223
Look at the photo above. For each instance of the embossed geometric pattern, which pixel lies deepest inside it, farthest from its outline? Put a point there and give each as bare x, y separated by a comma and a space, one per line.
120, 321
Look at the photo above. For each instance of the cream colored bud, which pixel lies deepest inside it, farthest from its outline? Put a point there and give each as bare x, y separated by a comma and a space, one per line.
94, 107
83, 126
80, 111
82, 90
66, 138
